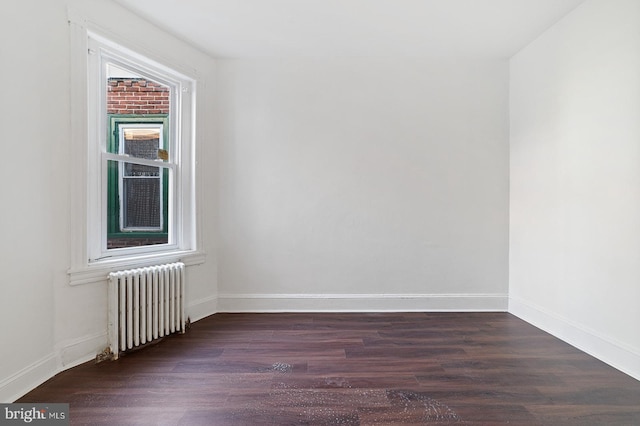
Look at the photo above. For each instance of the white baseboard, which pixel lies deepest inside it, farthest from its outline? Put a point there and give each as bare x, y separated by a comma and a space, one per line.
68, 354
77, 351
202, 308
616, 354
362, 302
16, 385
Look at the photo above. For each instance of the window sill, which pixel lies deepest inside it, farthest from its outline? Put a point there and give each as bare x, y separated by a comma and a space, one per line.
98, 271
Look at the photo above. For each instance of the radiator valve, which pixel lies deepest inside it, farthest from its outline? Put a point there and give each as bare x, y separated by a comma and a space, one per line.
105, 355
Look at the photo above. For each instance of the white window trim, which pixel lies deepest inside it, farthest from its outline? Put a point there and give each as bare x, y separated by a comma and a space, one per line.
86, 178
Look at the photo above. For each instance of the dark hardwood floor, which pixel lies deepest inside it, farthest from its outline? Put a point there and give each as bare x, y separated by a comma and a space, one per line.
350, 369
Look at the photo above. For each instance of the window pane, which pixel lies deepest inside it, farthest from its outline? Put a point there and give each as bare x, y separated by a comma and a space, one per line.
136, 205
141, 142
138, 110
142, 203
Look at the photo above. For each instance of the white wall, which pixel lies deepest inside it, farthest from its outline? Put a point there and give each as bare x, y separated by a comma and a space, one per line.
575, 181
363, 184
49, 325
32, 247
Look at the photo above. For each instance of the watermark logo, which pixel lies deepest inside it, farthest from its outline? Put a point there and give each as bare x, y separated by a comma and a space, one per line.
36, 414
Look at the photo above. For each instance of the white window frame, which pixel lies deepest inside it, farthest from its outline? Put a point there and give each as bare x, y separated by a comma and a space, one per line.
91, 50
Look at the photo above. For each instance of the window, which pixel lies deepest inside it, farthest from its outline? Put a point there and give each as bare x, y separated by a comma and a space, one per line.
137, 194
141, 168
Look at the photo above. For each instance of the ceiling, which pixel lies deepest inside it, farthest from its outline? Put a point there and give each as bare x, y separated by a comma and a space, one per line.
294, 28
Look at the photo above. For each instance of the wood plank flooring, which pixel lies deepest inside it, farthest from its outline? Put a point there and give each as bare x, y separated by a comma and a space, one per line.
350, 369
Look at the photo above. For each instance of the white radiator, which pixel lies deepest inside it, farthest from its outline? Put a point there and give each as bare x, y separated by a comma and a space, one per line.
145, 304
